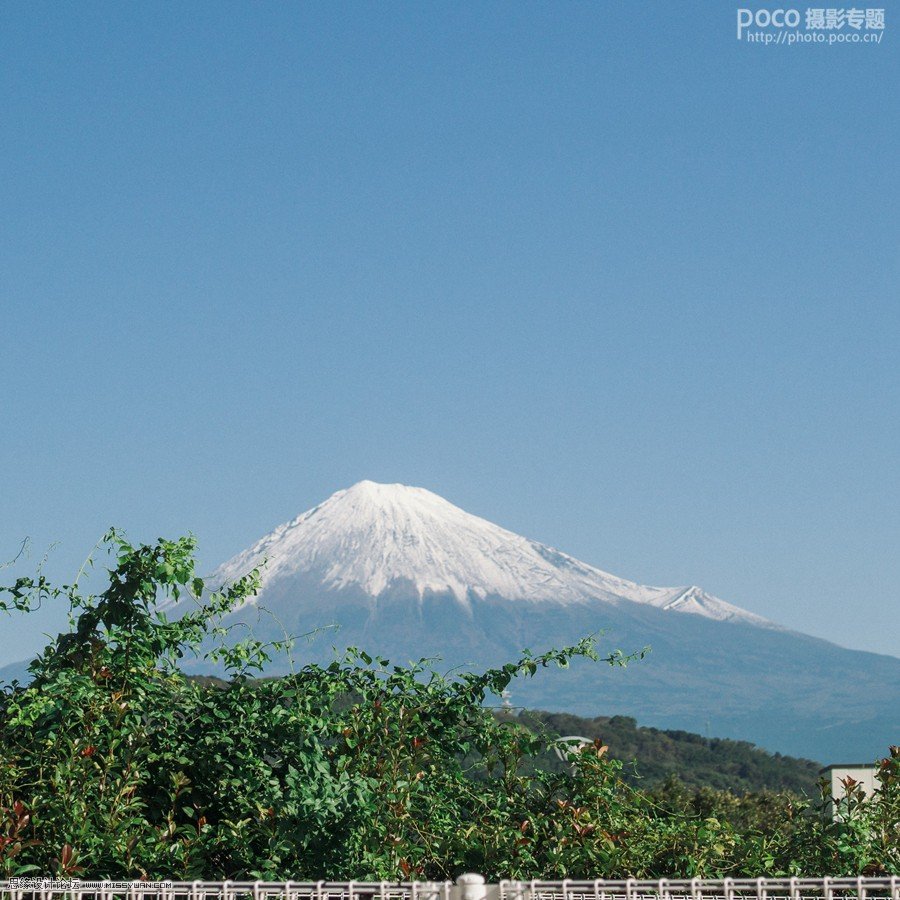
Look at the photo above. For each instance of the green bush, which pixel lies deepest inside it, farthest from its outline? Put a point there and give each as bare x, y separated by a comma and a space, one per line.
113, 764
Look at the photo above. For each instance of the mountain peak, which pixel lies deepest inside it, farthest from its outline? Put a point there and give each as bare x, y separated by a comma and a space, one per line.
379, 489
366, 484
388, 495
382, 539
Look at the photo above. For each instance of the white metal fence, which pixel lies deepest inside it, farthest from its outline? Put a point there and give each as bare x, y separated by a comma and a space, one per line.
467, 887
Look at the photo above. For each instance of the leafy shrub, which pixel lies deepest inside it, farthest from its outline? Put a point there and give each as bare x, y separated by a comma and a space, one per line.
113, 764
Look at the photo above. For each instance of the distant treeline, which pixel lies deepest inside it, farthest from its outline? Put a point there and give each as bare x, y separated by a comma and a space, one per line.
652, 756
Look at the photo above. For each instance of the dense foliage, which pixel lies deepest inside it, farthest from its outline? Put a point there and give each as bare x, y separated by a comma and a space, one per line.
112, 764
652, 756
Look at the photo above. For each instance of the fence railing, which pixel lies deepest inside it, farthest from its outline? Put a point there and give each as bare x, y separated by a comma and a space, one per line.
467, 887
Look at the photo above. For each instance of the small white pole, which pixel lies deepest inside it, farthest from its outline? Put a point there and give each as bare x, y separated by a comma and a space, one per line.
471, 886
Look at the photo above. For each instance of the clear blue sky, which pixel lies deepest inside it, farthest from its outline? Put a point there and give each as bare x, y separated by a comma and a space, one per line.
595, 271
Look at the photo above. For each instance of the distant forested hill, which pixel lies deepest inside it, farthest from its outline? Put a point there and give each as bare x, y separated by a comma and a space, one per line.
652, 755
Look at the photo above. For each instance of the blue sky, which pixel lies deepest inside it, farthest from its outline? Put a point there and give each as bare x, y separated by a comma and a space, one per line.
598, 272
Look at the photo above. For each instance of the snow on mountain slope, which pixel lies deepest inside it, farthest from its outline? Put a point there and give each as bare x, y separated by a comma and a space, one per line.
373, 537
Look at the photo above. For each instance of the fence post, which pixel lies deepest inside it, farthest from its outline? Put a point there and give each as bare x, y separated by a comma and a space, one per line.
471, 886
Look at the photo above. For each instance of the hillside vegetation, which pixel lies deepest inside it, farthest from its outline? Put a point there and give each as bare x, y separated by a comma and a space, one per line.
652, 756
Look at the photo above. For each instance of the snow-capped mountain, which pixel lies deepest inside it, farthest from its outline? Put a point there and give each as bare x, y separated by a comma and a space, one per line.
375, 536
403, 573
